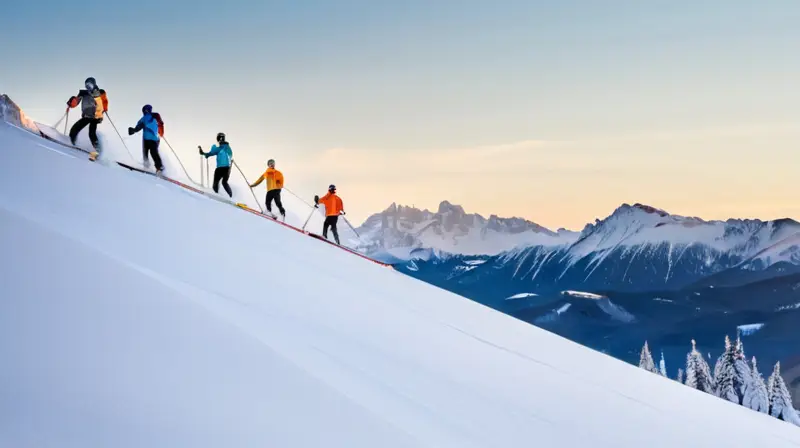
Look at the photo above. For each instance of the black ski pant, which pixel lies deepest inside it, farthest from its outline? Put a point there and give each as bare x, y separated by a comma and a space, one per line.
222, 173
151, 147
330, 221
78, 127
276, 196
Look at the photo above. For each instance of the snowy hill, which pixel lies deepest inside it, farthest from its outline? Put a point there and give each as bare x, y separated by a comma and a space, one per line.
401, 230
137, 313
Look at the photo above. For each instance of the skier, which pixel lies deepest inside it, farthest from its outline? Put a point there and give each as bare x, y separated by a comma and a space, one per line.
274, 180
224, 157
94, 103
151, 124
333, 208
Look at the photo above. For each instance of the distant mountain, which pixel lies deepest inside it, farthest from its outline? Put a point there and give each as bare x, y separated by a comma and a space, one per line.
399, 231
636, 248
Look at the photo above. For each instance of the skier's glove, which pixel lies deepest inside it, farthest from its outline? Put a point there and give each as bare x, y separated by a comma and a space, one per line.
316, 199
131, 131
200, 150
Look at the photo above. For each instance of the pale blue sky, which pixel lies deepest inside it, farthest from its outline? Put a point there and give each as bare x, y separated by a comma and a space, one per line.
687, 105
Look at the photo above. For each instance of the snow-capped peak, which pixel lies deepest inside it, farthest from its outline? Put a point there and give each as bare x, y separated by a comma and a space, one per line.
451, 229
642, 224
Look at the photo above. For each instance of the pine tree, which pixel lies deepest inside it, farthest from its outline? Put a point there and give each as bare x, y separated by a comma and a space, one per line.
744, 373
662, 366
698, 374
757, 397
646, 359
680, 376
724, 374
780, 401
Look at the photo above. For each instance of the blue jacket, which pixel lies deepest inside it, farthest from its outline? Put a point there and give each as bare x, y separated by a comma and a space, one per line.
223, 153
150, 126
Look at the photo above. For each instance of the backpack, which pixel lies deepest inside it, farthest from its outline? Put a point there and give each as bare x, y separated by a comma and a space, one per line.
157, 116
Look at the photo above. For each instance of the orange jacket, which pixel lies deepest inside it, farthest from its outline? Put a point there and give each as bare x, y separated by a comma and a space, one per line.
333, 204
273, 177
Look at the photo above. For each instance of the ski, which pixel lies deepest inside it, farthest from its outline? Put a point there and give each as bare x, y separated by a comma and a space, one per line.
51, 139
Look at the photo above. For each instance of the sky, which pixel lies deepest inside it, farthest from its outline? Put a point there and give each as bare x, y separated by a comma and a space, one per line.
557, 112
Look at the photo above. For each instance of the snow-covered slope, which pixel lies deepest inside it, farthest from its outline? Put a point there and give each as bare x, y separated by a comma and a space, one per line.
400, 230
135, 313
128, 150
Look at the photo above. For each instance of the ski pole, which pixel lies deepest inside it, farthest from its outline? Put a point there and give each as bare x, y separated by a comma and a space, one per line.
297, 196
55, 126
179, 161
202, 173
119, 135
66, 121
248, 185
208, 176
351, 227
309, 218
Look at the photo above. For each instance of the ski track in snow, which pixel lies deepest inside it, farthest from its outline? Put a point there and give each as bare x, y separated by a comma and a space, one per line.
669, 263
168, 338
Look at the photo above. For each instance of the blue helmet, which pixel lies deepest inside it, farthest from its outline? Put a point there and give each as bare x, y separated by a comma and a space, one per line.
147, 109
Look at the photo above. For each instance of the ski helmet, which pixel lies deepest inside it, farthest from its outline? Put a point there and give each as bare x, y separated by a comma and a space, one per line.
147, 109
221, 137
332, 187
90, 84
271, 162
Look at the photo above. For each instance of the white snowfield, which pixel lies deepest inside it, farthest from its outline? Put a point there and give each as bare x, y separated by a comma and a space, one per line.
137, 314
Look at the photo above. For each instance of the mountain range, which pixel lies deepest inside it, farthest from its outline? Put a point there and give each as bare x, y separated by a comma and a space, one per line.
639, 274
401, 232
636, 248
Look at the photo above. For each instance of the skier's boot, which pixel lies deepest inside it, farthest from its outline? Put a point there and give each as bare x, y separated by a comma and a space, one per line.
95, 153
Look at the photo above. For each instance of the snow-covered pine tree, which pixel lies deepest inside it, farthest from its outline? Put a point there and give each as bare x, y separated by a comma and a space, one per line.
756, 397
662, 366
743, 381
725, 374
780, 401
680, 376
646, 359
698, 374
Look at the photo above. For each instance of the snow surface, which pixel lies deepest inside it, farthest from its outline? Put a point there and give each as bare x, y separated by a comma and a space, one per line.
795, 306
522, 295
553, 315
135, 313
749, 329
583, 295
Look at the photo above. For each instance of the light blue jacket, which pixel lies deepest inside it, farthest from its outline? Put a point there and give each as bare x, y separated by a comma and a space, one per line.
224, 155
150, 126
